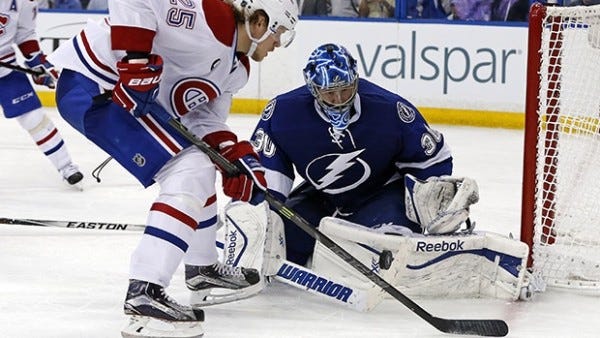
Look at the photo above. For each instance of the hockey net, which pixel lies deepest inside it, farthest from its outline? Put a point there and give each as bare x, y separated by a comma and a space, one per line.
561, 180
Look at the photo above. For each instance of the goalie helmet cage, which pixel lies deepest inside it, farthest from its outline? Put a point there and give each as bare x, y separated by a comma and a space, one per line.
561, 173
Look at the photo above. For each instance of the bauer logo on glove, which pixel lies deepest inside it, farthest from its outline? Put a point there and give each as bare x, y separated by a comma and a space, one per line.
137, 88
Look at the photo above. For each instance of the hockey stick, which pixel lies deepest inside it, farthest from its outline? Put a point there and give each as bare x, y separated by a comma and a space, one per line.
75, 224
482, 327
20, 69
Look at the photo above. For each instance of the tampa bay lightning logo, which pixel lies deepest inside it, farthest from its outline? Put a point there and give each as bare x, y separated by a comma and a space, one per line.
405, 112
268, 111
188, 94
337, 173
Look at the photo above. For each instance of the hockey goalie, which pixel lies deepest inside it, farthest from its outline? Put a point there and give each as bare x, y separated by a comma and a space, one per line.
449, 259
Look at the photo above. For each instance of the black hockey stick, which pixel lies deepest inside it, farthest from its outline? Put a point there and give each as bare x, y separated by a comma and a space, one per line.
481, 327
75, 224
20, 69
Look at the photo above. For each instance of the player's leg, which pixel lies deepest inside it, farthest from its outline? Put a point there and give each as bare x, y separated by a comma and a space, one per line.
245, 257
384, 208
307, 202
186, 179
212, 281
19, 101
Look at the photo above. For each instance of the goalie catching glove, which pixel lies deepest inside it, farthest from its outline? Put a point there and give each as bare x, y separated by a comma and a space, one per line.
250, 184
439, 204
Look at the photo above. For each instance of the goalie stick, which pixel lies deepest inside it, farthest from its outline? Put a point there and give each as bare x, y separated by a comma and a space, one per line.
20, 69
482, 327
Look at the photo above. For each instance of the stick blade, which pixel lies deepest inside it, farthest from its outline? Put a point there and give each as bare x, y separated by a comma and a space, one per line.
478, 327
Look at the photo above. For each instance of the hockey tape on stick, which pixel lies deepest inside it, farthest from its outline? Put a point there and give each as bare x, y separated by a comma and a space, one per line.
20, 69
481, 327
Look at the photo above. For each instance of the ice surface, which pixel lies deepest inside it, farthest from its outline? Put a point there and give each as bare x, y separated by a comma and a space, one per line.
67, 283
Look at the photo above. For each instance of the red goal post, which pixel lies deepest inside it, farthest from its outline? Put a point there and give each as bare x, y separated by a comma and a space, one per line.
560, 218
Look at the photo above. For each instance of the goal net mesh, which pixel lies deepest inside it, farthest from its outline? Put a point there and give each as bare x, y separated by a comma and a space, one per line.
566, 227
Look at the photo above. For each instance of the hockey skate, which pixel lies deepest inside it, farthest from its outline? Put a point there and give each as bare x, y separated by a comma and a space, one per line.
154, 314
71, 175
219, 283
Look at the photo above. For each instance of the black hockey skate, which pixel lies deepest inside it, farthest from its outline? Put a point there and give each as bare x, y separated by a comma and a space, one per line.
147, 302
71, 174
219, 283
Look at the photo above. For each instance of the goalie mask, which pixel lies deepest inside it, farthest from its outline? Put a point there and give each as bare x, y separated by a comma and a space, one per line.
332, 78
282, 16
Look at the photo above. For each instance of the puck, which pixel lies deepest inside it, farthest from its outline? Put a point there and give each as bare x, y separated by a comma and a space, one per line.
385, 259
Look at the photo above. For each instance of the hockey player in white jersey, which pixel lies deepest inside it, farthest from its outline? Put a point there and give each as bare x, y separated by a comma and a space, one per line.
375, 179
173, 59
17, 96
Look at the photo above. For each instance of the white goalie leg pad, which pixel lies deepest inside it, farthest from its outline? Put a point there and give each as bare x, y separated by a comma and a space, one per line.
372, 248
440, 204
275, 248
245, 233
481, 264
142, 326
254, 237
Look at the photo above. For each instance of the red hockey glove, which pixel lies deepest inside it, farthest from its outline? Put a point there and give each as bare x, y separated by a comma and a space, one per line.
251, 181
137, 87
48, 76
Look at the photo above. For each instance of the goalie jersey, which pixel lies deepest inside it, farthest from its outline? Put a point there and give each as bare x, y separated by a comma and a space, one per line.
386, 138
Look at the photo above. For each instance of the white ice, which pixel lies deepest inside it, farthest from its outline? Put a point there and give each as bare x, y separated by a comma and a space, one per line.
66, 283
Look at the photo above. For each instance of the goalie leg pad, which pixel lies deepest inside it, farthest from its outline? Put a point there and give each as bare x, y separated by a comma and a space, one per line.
275, 245
370, 247
254, 237
461, 265
245, 234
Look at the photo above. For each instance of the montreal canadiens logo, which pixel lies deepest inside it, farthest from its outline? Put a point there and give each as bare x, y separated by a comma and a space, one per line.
188, 94
3, 21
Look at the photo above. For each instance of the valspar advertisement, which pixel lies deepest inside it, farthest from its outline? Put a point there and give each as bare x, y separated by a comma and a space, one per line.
441, 66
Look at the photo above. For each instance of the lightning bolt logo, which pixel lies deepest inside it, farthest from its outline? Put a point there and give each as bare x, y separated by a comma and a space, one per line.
335, 170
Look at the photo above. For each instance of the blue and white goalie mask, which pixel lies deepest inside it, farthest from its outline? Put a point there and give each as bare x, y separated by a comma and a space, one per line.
332, 79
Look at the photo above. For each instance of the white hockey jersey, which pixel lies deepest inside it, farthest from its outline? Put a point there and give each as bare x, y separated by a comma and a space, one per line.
17, 25
195, 38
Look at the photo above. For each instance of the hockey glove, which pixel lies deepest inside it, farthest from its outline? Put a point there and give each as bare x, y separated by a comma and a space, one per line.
250, 184
137, 87
439, 204
48, 75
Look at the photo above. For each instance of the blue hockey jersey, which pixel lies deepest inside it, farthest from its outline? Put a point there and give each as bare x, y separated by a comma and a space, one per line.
387, 137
